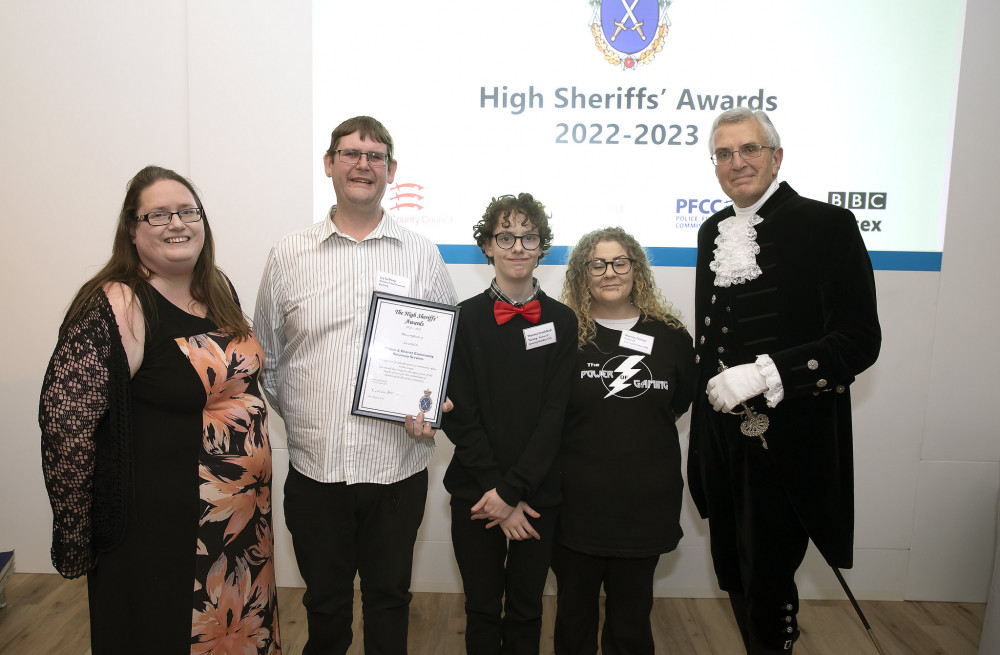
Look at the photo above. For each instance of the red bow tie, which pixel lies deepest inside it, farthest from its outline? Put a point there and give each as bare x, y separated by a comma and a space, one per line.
504, 311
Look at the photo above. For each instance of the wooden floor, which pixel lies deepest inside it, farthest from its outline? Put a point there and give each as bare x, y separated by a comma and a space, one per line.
46, 614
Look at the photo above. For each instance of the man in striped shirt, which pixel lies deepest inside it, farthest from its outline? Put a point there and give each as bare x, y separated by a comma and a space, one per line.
356, 486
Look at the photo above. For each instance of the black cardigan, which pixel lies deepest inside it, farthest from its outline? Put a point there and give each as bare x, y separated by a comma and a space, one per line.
509, 404
86, 440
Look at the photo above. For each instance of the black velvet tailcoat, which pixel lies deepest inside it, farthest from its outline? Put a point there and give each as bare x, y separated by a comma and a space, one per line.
813, 311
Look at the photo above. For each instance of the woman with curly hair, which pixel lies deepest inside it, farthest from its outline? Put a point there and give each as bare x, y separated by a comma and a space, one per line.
620, 456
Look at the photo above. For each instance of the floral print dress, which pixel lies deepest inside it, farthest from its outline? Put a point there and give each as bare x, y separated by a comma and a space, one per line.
196, 570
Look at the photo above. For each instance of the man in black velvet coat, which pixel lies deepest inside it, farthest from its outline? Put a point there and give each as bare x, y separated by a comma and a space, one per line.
785, 318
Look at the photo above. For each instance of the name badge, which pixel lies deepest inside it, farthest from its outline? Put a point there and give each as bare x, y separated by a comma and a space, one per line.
394, 284
635, 341
539, 335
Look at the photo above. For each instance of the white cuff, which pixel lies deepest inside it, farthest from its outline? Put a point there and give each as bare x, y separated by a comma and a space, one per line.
775, 391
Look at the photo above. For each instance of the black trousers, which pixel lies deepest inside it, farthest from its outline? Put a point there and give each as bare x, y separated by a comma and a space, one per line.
340, 530
757, 540
628, 590
503, 581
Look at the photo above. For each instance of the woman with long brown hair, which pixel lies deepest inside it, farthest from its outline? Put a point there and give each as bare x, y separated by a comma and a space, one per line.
154, 441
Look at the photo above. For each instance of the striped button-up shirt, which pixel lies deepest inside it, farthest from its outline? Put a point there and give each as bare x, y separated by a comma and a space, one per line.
312, 311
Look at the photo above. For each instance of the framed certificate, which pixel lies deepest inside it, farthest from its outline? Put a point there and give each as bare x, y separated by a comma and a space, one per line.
406, 358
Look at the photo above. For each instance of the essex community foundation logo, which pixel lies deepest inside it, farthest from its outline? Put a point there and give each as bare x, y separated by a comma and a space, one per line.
629, 32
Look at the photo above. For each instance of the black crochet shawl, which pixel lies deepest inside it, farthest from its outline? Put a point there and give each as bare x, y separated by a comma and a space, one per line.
86, 440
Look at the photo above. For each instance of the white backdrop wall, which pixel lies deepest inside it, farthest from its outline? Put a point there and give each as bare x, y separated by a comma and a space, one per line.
221, 91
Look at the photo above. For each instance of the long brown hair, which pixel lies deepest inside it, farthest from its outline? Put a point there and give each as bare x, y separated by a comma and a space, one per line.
645, 295
208, 285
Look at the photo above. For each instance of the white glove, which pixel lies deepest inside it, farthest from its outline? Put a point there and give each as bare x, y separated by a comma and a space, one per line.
734, 385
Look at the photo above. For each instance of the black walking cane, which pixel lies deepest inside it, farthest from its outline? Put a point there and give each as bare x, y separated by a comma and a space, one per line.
857, 608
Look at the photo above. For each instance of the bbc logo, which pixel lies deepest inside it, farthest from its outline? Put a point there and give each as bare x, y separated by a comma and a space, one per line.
857, 199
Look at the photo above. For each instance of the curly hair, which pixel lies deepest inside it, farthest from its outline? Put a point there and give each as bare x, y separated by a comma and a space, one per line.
645, 295
499, 212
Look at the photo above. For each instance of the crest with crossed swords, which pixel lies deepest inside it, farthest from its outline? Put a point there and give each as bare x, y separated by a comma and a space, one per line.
636, 24
629, 32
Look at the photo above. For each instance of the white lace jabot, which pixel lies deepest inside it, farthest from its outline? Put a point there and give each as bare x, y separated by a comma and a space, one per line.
735, 259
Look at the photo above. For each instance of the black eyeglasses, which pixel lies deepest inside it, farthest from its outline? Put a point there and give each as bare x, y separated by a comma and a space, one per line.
354, 156
159, 218
529, 241
620, 265
747, 151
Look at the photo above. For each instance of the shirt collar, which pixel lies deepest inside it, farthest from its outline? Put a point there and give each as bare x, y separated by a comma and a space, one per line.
497, 294
752, 209
387, 227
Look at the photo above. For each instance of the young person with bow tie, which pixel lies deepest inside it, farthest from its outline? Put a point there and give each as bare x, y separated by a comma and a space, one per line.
510, 380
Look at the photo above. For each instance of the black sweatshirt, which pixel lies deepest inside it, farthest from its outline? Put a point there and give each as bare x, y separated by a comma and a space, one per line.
510, 403
620, 457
